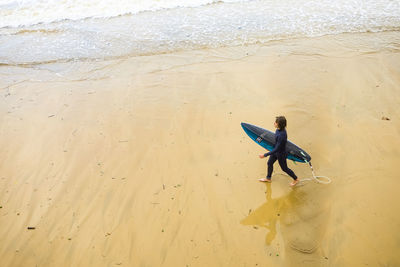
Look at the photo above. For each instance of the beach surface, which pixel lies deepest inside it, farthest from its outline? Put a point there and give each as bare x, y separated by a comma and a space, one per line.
141, 161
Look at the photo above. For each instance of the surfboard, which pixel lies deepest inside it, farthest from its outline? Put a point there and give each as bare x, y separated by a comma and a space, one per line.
266, 139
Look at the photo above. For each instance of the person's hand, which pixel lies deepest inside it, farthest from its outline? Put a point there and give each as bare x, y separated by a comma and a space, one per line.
261, 156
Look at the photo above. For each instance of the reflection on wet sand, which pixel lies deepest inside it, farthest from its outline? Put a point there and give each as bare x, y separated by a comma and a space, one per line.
269, 213
294, 209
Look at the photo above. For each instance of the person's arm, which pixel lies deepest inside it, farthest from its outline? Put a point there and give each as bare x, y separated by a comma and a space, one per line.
278, 145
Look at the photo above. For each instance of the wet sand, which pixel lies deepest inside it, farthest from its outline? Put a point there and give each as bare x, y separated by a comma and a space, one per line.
142, 161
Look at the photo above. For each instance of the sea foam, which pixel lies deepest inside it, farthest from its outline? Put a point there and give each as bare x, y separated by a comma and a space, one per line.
101, 29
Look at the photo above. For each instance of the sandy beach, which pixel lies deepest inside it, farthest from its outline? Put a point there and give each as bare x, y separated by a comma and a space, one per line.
141, 161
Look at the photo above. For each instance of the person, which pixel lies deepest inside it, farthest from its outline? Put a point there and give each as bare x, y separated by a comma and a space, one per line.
279, 152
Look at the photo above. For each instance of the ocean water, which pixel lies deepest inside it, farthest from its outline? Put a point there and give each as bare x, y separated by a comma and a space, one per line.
42, 31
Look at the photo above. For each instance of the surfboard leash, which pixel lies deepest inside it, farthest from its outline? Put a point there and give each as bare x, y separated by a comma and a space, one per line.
318, 178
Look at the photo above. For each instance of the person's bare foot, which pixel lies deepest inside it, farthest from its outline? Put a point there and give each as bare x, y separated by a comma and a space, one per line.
294, 182
265, 180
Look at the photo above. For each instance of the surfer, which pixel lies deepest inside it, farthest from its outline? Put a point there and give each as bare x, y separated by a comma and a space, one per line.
279, 152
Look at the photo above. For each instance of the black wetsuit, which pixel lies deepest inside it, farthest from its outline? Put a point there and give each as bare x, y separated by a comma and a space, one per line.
279, 153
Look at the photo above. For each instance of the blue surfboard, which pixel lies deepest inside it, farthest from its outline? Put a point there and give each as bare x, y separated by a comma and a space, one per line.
266, 139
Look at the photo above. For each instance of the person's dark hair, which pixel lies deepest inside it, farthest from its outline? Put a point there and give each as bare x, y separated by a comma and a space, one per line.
281, 121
